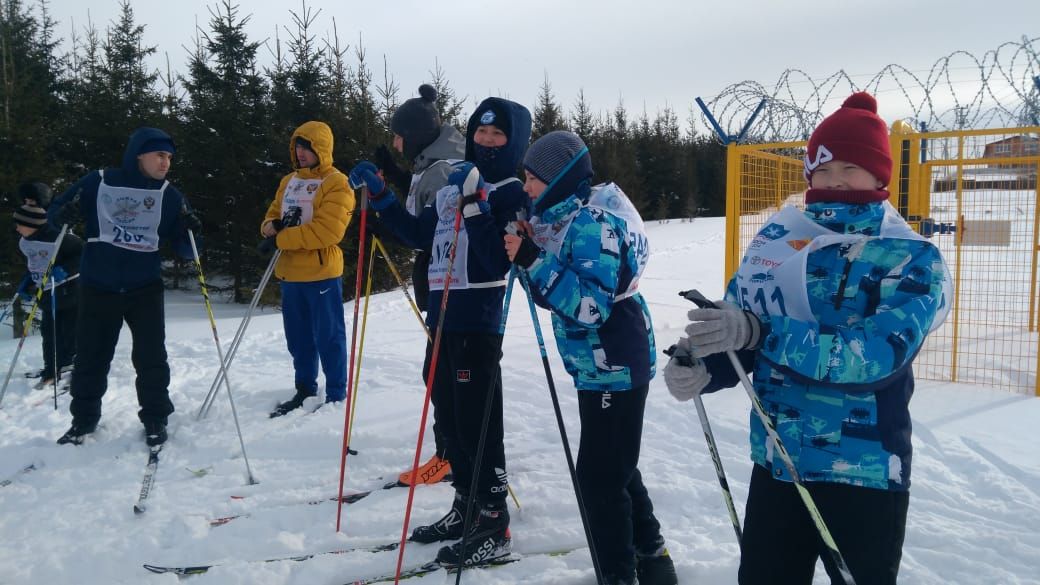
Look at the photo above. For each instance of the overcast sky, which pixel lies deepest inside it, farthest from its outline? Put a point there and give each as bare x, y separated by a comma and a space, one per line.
649, 53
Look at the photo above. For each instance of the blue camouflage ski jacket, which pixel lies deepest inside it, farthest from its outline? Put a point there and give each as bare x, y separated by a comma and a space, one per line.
604, 335
838, 387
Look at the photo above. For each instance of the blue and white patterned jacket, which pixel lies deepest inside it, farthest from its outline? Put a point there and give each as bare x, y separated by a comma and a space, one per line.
603, 329
838, 386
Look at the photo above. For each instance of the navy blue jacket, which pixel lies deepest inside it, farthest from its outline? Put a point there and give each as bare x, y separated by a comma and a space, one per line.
109, 267
475, 309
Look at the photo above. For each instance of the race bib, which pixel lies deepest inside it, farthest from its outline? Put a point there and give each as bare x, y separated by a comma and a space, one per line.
38, 256
298, 201
129, 218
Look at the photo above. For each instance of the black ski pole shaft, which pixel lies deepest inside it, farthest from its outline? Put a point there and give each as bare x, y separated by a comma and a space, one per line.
237, 340
54, 339
32, 312
489, 403
220, 352
563, 428
778, 444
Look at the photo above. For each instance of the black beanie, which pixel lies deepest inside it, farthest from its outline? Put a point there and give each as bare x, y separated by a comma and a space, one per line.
37, 191
417, 121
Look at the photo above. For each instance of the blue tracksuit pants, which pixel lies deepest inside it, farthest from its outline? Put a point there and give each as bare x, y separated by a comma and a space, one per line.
312, 313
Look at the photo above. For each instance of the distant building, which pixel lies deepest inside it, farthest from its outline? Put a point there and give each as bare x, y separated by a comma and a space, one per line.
997, 175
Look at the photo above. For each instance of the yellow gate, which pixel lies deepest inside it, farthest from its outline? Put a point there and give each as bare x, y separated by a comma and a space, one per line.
974, 193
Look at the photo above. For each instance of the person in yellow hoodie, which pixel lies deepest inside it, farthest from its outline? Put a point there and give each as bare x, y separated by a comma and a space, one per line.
306, 221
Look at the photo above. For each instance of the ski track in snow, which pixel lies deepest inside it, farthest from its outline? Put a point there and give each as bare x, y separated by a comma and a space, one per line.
975, 500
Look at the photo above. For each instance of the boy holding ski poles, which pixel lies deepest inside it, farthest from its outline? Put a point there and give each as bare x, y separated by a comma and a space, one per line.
830, 331
583, 254
467, 373
58, 305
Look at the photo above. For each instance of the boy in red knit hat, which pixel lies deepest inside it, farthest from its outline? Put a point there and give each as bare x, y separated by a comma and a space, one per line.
830, 331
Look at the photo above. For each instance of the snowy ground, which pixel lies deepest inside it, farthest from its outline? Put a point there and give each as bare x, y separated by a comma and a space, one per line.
975, 504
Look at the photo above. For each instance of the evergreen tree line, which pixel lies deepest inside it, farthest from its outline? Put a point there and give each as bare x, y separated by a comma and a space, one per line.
63, 114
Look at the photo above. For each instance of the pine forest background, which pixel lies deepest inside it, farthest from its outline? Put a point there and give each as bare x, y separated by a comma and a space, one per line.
66, 112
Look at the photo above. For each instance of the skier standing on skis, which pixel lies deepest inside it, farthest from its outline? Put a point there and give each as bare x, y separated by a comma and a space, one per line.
468, 370
306, 221
59, 301
128, 211
583, 253
431, 147
828, 309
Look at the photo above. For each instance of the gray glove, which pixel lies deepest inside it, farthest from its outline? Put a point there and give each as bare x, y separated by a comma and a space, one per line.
685, 377
723, 329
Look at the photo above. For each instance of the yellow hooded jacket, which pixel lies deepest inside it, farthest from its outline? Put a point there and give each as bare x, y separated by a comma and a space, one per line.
311, 252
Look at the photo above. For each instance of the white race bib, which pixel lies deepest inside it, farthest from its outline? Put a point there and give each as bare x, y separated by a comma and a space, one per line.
128, 217
38, 256
298, 201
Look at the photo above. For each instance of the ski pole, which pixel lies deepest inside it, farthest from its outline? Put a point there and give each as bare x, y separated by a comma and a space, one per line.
563, 428
488, 404
404, 287
778, 444
361, 343
239, 334
683, 359
32, 312
363, 190
54, 339
220, 352
434, 355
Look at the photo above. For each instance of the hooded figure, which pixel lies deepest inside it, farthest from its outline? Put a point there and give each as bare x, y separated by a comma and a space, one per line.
127, 212
306, 221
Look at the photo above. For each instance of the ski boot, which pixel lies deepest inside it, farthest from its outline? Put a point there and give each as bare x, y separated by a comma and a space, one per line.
447, 528
488, 539
154, 433
433, 471
76, 433
294, 403
656, 568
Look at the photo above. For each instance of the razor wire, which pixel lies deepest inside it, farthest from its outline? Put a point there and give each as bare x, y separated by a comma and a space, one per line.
960, 91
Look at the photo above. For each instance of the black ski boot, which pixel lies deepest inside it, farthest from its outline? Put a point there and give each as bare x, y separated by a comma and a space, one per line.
76, 433
656, 568
447, 528
488, 539
154, 433
296, 402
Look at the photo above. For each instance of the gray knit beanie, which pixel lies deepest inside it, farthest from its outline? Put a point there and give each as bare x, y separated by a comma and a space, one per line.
550, 154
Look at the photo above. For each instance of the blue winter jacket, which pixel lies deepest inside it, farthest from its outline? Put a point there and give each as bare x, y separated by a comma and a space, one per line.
838, 388
474, 310
109, 267
606, 344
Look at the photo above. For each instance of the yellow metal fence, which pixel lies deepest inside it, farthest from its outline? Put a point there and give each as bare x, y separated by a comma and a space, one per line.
975, 192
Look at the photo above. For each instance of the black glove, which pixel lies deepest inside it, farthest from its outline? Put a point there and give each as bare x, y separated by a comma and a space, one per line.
527, 253
267, 247
190, 221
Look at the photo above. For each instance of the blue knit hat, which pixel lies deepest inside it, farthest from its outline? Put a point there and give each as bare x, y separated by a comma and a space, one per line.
158, 145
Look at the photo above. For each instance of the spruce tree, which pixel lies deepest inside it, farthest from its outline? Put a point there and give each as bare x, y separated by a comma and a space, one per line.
547, 114
226, 128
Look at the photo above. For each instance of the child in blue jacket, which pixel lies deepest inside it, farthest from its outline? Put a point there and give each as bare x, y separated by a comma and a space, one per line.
586, 251
828, 308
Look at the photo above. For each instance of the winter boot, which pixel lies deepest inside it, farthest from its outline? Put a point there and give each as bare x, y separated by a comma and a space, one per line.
447, 528
656, 568
154, 433
76, 433
488, 539
433, 471
291, 405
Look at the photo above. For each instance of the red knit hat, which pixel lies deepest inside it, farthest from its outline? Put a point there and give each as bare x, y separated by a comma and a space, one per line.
854, 134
